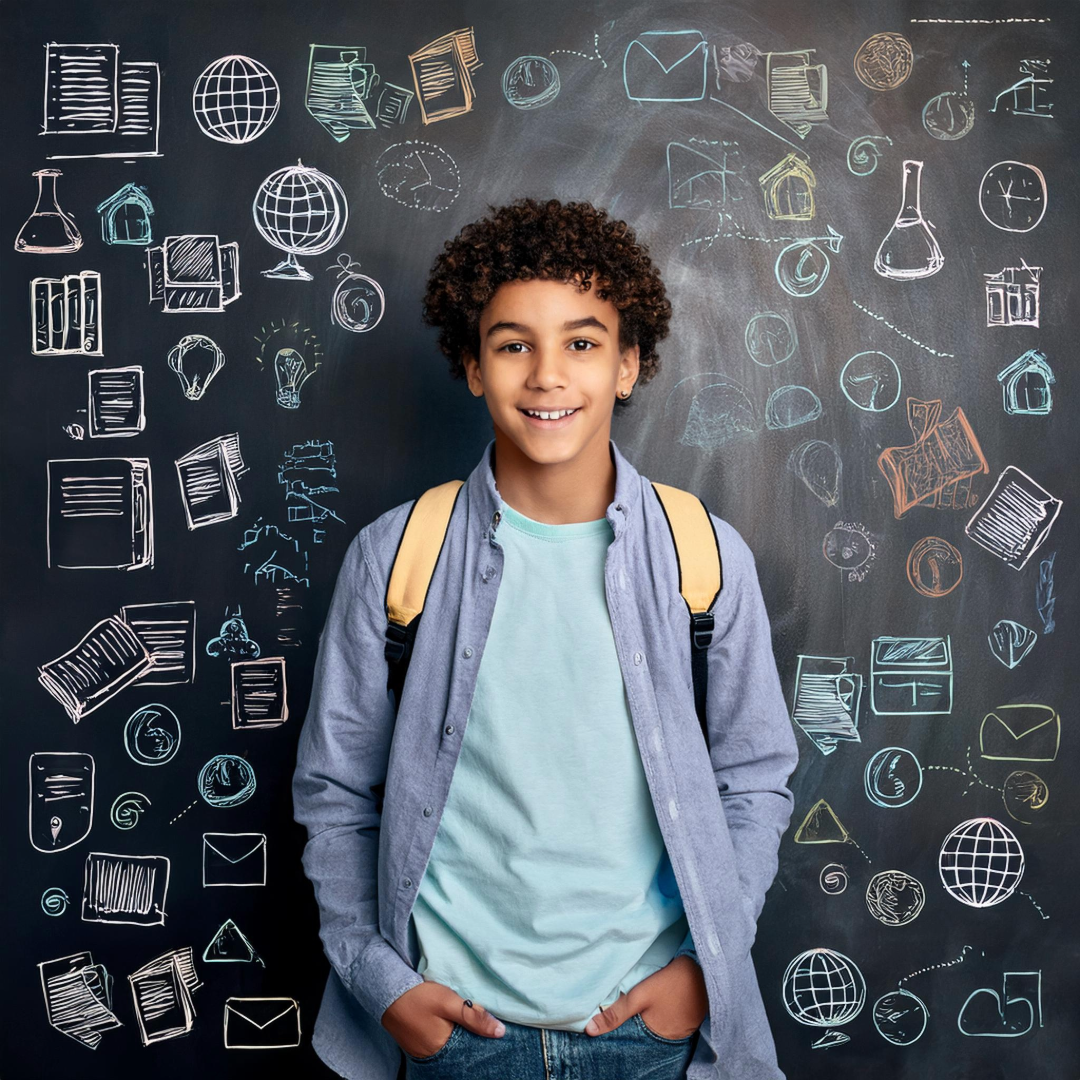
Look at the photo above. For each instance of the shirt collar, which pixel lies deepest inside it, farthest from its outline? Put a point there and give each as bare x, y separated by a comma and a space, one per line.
485, 500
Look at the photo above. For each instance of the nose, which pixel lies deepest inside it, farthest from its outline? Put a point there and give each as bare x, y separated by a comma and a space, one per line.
549, 367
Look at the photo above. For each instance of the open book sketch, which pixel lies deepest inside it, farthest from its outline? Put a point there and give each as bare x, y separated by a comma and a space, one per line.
125, 889
442, 74
65, 315
208, 477
61, 799
1015, 518
161, 992
827, 695
339, 87
167, 629
78, 997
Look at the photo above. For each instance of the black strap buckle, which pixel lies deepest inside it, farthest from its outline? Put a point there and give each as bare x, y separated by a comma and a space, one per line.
396, 642
701, 628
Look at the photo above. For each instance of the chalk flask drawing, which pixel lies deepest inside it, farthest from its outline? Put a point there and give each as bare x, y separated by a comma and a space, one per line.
48, 230
909, 249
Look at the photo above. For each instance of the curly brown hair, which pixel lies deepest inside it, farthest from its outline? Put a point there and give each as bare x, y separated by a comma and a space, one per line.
531, 239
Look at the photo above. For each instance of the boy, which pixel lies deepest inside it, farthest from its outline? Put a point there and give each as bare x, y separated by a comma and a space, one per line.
594, 874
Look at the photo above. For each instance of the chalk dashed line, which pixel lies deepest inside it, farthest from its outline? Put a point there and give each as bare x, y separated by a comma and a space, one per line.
934, 967
914, 341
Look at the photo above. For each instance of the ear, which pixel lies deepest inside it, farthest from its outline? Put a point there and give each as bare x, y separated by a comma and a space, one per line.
472, 373
629, 366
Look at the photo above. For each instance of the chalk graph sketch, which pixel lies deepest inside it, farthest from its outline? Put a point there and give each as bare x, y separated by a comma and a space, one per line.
717, 410
703, 174
863, 154
895, 898
900, 1017
261, 1023
259, 695
1008, 1015
1012, 196
300, 211
934, 567
1029, 95
161, 993
823, 988
419, 175
233, 859
909, 249
893, 777
1020, 732
827, 696
1025, 385
1012, 295
235, 100
936, 469
1015, 518
850, 547
666, 65
770, 338
359, 301
230, 945
152, 735
115, 406
127, 809
442, 74
530, 82
61, 799
65, 315
1011, 641
819, 466
797, 90
981, 862
911, 676
49, 230
791, 406
208, 477
196, 359
226, 780
950, 115
125, 217
99, 105
194, 273
788, 189
306, 473
884, 61
100, 514
127, 890
233, 640
78, 998
274, 556
871, 381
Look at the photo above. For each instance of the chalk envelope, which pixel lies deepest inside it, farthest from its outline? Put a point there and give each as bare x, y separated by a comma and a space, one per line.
261, 1023
666, 66
1020, 733
234, 859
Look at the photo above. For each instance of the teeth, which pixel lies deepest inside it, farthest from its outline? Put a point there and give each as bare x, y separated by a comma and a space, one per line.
550, 415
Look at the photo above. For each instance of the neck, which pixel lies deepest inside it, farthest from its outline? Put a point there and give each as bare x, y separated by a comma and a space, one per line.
557, 493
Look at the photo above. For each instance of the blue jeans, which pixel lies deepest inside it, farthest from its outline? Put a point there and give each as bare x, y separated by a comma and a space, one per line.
538, 1053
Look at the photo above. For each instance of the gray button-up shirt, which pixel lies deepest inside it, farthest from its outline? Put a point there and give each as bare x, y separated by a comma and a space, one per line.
370, 790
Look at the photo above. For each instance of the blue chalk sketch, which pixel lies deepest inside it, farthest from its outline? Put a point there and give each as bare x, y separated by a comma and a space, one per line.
802, 267
911, 676
274, 556
1008, 1015
226, 780
700, 174
827, 696
125, 217
871, 381
666, 65
233, 640
719, 412
306, 471
1010, 642
530, 82
1025, 385
951, 115
893, 777
770, 338
1027, 96
152, 735
863, 154
1045, 598
790, 406
900, 1017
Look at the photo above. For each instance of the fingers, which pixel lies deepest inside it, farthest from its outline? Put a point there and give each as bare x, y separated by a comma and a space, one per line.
477, 1018
610, 1018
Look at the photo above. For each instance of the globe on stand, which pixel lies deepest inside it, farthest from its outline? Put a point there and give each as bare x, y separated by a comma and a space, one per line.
300, 211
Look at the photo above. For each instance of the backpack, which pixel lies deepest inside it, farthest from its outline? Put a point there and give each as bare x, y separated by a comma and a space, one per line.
697, 552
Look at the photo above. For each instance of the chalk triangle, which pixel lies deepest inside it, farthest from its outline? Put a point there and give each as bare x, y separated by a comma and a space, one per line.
821, 826
230, 946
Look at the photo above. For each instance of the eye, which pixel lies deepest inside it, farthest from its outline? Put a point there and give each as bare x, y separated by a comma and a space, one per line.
510, 345
583, 341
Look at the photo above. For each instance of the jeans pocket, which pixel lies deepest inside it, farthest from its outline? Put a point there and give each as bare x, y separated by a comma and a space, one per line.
660, 1038
454, 1033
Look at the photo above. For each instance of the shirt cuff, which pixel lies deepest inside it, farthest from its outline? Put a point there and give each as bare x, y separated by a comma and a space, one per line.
379, 977
687, 947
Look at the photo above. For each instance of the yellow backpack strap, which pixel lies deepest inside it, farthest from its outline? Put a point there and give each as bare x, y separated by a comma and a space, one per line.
414, 564
697, 552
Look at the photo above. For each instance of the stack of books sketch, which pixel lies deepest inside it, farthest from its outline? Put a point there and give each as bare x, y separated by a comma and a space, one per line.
65, 315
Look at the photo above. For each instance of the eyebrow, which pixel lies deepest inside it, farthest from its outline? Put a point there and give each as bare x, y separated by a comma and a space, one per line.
573, 324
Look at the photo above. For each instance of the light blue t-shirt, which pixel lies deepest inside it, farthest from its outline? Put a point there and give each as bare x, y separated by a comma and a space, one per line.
549, 891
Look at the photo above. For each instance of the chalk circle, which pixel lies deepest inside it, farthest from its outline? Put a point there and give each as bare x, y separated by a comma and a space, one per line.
893, 777
884, 61
530, 82
900, 1017
833, 879
895, 898
770, 339
152, 735
226, 780
949, 116
847, 547
871, 381
823, 988
934, 567
1025, 794
1012, 196
801, 268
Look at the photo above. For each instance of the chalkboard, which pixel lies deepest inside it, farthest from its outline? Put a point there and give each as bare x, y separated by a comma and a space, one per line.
220, 218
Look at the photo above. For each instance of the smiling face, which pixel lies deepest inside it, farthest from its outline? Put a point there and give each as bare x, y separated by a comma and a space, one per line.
545, 347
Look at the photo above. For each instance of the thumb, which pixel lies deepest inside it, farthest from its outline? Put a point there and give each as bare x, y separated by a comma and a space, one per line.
477, 1018
610, 1018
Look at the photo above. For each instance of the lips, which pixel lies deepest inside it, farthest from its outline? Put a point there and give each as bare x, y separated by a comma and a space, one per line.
551, 425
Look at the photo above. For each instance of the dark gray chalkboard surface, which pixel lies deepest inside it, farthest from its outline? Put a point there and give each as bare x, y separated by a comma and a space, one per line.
874, 388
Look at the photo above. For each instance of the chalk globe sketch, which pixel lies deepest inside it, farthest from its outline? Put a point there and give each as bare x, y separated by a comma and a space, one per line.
301, 211
531, 81
823, 988
152, 735
226, 780
949, 116
981, 862
235, 99
900, 1017
894, 897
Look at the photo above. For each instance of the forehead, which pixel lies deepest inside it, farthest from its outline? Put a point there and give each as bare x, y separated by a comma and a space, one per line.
539, 304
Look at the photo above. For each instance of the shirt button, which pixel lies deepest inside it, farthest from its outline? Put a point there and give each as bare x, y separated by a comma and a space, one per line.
427, 811
467, 651
489, 573
495, 518
407, 883
449, 729
638, 658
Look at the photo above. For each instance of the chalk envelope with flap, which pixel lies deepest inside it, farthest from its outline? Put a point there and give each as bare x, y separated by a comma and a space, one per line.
234, 859
666, 65
1020, 733
261, 1023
